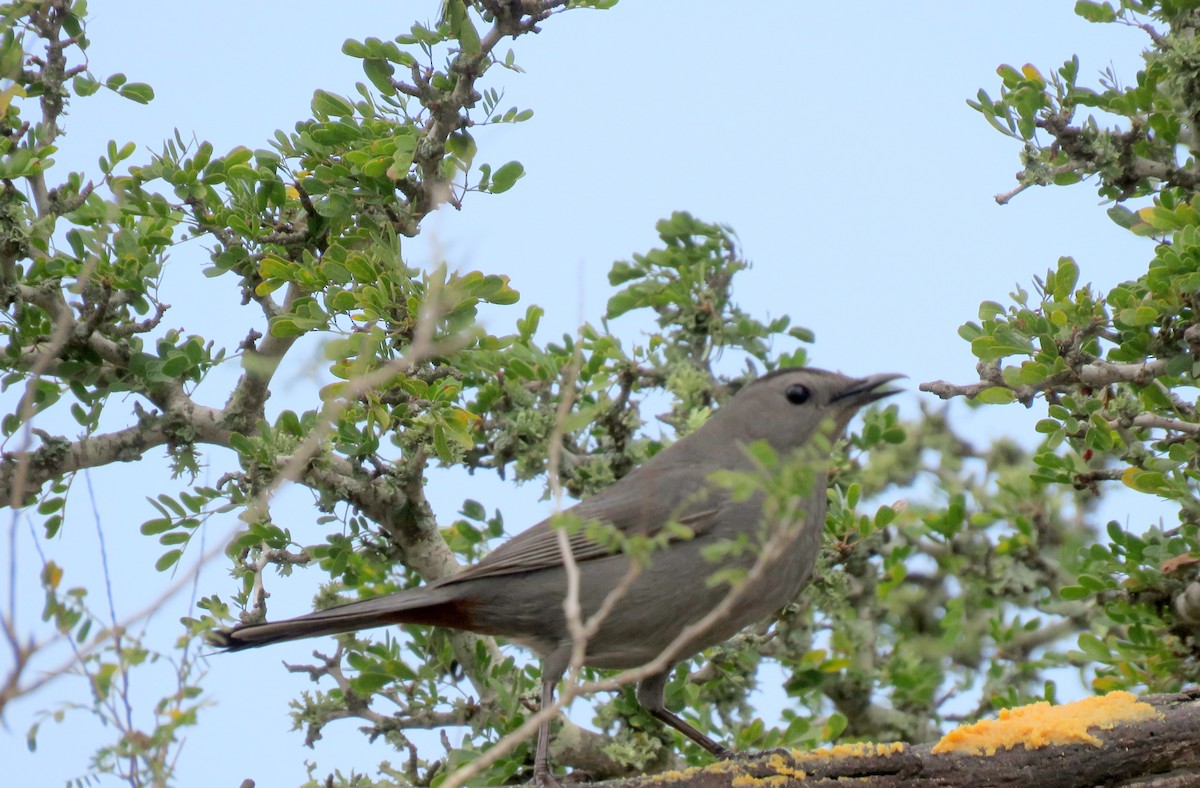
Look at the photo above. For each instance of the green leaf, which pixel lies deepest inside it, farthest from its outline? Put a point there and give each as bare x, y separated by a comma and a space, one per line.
623, 302
473, 510
468, 36
342, 301
156, 526
325, 104
996, 395
168, 560
1095, 12
991, 348
440, 445
1066, 278
175, 366
970, 331
622, 272
989, 310
380, 73
84, 85
1010, 76
834, 726
1144, 481
284, 327
402, 159
1094, 647
137, 91
504, 178
354, 49
1074, 593
1123, 216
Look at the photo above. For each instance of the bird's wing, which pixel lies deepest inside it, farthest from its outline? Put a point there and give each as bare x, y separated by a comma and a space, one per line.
639, 504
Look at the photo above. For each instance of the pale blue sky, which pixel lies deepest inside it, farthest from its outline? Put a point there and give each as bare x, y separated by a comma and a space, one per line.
837, 144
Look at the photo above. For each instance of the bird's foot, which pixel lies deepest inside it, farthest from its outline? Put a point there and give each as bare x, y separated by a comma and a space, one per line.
544, 778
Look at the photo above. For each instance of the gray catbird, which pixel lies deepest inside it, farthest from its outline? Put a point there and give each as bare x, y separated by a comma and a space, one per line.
517, 591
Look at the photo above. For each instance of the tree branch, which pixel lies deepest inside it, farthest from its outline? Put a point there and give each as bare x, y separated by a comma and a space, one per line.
403, 511
57, 456
446, 107
1096, 374
249, 397
1163, 752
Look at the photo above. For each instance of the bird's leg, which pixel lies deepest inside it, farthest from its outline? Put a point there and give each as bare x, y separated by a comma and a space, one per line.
541, 759
650, 696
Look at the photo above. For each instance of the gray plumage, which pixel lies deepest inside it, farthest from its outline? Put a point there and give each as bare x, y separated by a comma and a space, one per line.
517, 591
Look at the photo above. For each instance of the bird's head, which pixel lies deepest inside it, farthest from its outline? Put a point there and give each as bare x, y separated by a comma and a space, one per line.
787, 407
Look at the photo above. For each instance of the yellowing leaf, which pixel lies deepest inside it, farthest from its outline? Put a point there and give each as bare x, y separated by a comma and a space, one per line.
1031, 73
1143, 481
461, 417
1158, 217
835, 665
52, 575
382, 416
1130, 476
7, 95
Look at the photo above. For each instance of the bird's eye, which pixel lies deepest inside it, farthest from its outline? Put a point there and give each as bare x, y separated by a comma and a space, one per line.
797, 394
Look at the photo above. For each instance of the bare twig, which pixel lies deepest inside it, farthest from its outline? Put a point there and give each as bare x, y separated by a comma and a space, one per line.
14, 690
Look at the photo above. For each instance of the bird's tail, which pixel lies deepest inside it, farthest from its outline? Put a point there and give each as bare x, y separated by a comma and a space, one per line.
416, 606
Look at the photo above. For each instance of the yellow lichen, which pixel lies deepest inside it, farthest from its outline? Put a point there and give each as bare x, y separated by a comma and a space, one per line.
853, 750
1042, 725
777, 764
865, 750
675, 776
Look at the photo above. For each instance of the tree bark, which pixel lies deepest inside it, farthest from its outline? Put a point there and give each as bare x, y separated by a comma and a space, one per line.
1157, 753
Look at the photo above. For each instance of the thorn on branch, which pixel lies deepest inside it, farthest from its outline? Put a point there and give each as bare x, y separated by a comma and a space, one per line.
248, 344
61, 204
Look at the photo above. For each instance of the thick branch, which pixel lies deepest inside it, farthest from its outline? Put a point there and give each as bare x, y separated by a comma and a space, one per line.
1155, 753
248, 399
57, 457
1150, 421
1086, 157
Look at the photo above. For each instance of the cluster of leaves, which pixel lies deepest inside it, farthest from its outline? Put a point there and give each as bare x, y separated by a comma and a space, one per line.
1116, 369
309, 230
970, 592
315, 218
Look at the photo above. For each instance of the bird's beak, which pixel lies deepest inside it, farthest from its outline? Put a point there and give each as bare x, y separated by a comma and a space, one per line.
866, 390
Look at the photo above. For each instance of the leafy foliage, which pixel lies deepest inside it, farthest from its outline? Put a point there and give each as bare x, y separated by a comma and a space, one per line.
1116, 368
967, 585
